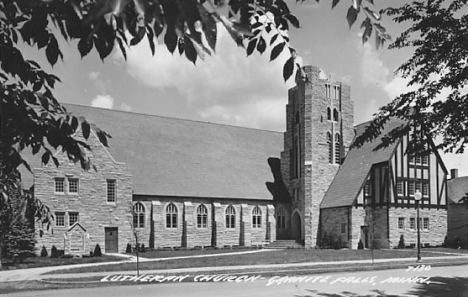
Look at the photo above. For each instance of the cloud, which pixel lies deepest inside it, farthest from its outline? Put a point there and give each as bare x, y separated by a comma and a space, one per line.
125, 107
93, 75
227, 87
373, 70
103, 101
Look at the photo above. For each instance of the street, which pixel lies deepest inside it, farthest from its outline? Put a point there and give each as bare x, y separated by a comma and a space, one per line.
425, 281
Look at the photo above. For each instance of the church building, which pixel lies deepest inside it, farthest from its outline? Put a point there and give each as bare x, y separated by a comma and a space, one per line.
179, 183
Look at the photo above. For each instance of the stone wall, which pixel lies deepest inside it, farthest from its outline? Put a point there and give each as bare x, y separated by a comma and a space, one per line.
375, 221
331, 221
457, 223
94, 212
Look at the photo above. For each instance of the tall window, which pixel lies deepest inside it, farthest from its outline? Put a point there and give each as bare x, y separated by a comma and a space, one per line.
230, 217
59, 185
330, 147
425, 189
60, 219
412, 223
368, 189
296, 158
171, 216
425, 160
399, 188
337, 92
337, 149
425, 225
401, 223
335, 115
202, 216
343, 228
111, 185
72, 218
417, 159
297, 119
281, 218
411, 188
327, 90
256, 217
328, 113
138, 215
73, 185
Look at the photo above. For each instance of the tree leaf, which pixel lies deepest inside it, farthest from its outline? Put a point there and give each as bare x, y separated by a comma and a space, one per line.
170, 39
84, 46
190, 51
261, 45
351, 16
288, 68
293, 20
277, 50
251, 46
52, 51
45, 158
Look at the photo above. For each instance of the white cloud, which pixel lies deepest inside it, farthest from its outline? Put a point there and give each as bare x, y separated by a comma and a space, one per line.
93, 75
373, 70
227, 87
103, 101
125, 107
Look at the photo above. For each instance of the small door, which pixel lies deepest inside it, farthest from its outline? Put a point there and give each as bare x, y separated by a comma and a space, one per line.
365, 236
112, 240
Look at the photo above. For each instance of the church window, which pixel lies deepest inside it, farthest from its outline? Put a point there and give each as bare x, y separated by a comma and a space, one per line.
337, 92
328, 113
256, 217
230, 217
72, 218
60, 219
281, 218
111, 185
327, 90
59, 185
330, 148
171, 216
138, 215
202, 216
73, 185
335, 115
337, 149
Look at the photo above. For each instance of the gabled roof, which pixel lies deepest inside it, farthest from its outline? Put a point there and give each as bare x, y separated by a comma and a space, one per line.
353, 172
457, 189
175, 157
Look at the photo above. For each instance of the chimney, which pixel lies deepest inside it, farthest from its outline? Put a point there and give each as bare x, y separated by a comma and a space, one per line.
453, 173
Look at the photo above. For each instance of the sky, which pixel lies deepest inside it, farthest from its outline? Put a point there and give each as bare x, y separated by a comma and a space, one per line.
229, 88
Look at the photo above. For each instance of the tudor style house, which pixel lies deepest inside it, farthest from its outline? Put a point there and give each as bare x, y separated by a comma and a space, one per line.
457, 234
174, 182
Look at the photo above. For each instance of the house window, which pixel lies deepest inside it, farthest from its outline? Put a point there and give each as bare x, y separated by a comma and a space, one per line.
72, 218
281, 218
400, 188
418, 186
60, 219
138, 215
417, 160
256, 217
411, 160
343, 228
425, 160
425, 224
412, 223
330, 148
171, 216
335, 115
59, 185
401, 223
411, 188
328, 113
367, 189
337, 149
327, 90
230, 217
73, 185
202, 216
111, 190
425, 190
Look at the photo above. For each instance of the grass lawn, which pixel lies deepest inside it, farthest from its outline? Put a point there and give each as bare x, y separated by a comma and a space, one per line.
33, 262
265, 257
185, 253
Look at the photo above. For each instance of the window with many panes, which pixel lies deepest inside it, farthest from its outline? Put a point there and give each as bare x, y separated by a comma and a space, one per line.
400, 188
337, 149
171, 216
330, 147
401, 223
367, 189
425, 225
425, 160
73, 185
111, 190
60, 219
230, 217
411, 188
59, 185
281, 218
138, 215
72, 218
425, 190
418, 186
412, 223
202, 216
256, 217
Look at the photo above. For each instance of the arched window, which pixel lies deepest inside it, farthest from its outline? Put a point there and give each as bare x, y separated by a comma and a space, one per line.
335, 114
256, 217
328, 113
330, 148
138, 215
202, 216
171, 216
281, 218
230, 217
337, 149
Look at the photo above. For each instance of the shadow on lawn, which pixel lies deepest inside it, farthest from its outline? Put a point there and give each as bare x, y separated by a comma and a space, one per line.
439, 287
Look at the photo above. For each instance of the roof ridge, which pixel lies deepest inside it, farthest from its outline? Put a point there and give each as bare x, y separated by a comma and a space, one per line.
171, 118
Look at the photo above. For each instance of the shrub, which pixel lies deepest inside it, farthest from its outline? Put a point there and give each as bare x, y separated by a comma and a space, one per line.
401, 243
142, 248
97, 251
128, 250
446, 242
360, 245
53, 252
338, 244
44, 252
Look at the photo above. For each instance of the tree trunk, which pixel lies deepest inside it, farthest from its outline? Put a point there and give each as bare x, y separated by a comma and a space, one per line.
1, 249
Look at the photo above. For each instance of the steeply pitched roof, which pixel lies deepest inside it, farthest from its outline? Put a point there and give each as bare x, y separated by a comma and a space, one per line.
353, 172
175, 157
457, 189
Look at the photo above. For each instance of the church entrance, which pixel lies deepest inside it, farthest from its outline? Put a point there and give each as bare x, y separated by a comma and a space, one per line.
296, 228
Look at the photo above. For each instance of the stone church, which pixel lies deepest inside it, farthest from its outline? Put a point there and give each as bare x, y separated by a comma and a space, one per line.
180, 183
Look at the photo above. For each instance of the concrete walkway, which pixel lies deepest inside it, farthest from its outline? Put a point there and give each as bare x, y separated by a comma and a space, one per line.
38, 273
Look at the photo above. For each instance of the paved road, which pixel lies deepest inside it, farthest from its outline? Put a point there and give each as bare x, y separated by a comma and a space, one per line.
436, 282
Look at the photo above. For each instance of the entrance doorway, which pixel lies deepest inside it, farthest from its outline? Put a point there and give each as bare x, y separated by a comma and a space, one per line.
296, 226
111, 240
365, 236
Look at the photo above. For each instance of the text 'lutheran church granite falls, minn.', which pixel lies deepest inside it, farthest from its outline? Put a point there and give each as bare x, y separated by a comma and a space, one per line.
181, 183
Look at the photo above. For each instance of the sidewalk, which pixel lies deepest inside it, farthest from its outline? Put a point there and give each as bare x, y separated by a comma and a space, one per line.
316, 267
